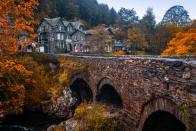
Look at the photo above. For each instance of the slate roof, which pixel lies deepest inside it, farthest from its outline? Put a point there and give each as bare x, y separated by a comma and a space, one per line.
66, 23
77, 31
76, 24
53, 22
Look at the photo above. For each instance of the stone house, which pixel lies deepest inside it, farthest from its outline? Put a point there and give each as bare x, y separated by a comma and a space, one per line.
59, 36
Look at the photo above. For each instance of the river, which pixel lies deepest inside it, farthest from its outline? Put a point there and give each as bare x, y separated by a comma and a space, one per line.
29, 121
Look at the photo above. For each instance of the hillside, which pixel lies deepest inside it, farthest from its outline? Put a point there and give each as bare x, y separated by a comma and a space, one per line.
88, 10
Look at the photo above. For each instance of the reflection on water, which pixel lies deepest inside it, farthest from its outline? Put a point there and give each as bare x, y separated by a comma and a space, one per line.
29, 121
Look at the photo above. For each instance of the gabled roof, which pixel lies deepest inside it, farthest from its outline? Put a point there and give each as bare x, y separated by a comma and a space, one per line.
53, 22
77, 24
66, 23
77, 31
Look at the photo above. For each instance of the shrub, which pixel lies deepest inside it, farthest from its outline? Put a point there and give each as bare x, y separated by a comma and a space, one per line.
43, 84
95, 117
30, 80
46, 83
120, 52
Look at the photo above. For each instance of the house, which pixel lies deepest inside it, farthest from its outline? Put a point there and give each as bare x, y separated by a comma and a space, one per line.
78, 39
59, 36
27, 45
118, 46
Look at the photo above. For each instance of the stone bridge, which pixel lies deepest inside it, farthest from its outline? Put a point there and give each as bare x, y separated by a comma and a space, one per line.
153, 93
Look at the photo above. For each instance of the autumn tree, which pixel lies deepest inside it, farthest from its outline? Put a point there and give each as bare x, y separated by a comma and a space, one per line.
16, 16
162, 35
136, 39
100, 39
183, 44
193, 24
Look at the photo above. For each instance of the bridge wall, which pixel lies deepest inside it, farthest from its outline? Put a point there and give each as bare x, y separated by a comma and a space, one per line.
145, 85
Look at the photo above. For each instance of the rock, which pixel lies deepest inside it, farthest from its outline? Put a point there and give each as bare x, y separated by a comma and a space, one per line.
69, 125
2, 113
186, 75
1, 118
62, 107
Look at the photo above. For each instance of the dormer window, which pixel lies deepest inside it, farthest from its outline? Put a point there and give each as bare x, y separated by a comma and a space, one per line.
62, 37
60, 28
69, 29
82, 38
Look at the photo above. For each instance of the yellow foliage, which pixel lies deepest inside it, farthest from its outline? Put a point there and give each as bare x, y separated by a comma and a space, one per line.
68, 67
95, 117
29, 81
43, 82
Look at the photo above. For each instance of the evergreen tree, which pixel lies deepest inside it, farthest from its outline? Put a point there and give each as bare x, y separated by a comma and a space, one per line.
148, 21
113, 16
128, 17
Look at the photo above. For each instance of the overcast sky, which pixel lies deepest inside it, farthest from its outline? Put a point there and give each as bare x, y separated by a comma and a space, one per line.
159, 6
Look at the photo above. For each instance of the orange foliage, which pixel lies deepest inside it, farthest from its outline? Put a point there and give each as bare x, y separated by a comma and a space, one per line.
120, 52
183, 44
16, 16
12, 78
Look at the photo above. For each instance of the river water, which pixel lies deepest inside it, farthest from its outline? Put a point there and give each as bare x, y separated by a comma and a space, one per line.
29, 121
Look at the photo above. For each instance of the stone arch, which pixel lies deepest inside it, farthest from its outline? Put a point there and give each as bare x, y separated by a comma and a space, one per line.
108, 94
160, 110
81, 90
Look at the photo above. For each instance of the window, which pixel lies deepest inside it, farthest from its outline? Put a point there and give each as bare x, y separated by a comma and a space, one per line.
81, 37
62, 37
40, 29
58, 36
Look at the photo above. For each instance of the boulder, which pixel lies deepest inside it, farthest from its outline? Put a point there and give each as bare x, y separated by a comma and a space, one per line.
62, 107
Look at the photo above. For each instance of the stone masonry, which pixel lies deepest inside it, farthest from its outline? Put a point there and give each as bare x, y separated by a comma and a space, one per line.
145, 85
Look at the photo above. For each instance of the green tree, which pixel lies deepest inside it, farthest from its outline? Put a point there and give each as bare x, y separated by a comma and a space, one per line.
148, 21
148, 24
113, 16
128, 17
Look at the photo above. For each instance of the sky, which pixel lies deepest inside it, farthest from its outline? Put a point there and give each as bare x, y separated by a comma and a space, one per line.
159, 6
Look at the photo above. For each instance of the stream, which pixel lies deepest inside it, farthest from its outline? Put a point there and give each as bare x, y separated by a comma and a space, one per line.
29, 121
